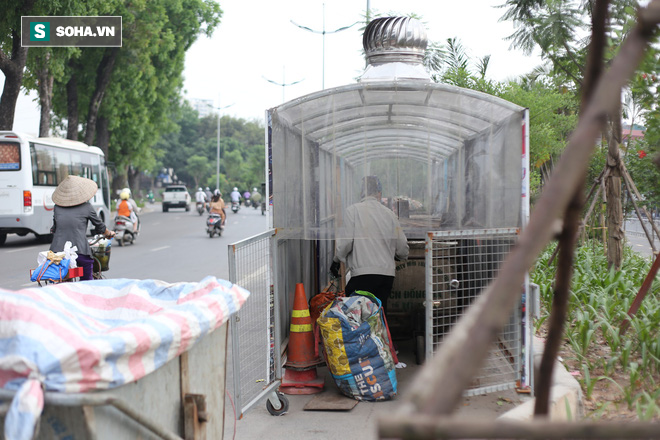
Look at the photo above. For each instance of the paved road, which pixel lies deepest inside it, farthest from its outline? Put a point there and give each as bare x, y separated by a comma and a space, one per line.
172, 247
636, 238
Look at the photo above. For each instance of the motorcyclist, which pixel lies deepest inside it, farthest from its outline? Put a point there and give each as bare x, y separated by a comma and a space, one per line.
200, 196
127, 209
246, 196
209, 194
130, 199
235, 196
218, 206
256, 197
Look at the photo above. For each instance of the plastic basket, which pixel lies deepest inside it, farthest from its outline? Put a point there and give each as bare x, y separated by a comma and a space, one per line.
103, 255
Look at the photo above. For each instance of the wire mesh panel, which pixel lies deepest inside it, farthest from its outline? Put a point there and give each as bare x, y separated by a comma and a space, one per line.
459, 265
254, 328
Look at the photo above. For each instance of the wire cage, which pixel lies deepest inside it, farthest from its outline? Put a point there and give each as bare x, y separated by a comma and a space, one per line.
459, 265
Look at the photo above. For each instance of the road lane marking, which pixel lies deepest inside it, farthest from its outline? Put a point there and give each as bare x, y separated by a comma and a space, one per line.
29, 285
23, 249
160, 248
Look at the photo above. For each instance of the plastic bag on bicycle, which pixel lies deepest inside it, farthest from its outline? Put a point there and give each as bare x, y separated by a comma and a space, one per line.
69, 253
51, 270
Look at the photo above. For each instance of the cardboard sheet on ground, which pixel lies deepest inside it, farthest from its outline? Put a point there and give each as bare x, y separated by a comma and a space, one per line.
330, 400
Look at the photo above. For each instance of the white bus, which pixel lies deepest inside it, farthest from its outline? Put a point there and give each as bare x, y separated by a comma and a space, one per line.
30, 170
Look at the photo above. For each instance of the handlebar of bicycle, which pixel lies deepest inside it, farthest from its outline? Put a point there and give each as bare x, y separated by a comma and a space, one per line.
98, 238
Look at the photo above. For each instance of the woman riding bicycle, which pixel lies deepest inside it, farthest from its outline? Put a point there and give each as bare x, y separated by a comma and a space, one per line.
70, 217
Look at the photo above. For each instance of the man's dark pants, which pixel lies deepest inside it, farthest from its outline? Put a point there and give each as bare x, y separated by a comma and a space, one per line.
379, 285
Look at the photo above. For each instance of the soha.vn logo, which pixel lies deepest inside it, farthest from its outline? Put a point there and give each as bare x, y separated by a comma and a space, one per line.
39, 31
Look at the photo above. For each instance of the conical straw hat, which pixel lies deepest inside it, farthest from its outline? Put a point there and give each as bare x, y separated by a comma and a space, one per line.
74, 191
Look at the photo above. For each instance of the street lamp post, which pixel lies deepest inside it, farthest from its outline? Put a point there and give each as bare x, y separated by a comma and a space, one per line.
283, 83
217, 156
323, 32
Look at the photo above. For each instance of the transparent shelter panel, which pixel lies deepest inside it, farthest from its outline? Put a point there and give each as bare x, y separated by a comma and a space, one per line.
447, 158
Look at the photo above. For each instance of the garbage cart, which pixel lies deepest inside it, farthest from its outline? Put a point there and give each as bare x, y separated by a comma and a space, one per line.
116, 359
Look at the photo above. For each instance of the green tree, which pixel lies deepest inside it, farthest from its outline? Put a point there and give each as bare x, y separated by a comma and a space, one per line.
241, 150
560, 29
14, 57
552, 117
198, 168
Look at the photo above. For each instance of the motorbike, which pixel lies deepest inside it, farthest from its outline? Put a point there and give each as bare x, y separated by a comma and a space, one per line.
214, 225
124, 230
200, 208
235, 206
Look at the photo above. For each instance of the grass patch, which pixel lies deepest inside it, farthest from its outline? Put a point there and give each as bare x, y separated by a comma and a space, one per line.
620, 373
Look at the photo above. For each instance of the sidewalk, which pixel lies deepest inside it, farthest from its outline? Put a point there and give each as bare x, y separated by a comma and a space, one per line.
360, 422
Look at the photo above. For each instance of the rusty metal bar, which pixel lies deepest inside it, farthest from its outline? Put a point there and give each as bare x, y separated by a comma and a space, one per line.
631, 185
100, 399
649, 235
646, 285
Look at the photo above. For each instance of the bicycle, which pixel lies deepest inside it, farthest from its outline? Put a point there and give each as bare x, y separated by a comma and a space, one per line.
100, 255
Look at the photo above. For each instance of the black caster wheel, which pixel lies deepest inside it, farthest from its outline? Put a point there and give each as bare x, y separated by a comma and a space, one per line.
278, 412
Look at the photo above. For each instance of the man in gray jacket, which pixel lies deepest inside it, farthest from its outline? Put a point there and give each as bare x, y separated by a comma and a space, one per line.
369, 242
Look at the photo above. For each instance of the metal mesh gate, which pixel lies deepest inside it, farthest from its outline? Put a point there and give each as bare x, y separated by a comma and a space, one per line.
253, 328
459, 265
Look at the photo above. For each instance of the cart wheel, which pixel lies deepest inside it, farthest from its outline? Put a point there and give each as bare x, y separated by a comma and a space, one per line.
278, 412
420, 349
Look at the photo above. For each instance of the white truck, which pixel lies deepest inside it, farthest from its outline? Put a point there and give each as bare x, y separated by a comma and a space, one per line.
176, 196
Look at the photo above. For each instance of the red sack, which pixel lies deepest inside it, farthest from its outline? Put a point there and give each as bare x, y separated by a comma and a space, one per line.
319, 302
316, 305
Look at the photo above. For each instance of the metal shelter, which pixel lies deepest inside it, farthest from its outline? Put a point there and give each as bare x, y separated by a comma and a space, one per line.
452, 163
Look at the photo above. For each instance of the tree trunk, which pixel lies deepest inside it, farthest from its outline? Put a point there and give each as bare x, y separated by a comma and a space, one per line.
134, 181
103, 135
613, 188
45, 96
103, 74
72, 107
13, 68
120, 181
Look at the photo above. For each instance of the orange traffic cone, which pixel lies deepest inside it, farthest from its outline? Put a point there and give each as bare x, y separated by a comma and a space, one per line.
300, 369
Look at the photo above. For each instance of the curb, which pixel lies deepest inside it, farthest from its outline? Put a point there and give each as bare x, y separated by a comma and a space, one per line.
566, 400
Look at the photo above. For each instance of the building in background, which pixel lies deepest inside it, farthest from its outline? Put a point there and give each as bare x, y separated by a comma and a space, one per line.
203, 106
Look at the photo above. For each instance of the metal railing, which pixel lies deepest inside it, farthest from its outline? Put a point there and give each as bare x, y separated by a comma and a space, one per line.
254, 334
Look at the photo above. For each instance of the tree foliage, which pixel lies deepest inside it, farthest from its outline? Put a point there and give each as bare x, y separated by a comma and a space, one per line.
560, 29
191, 151
123, 99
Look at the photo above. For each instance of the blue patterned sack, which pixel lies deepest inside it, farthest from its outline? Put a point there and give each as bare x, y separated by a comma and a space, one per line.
357, 348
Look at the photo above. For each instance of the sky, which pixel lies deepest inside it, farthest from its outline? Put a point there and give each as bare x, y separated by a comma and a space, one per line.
256, 41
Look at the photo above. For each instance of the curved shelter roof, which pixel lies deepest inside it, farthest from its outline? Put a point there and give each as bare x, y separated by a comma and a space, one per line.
382, 119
